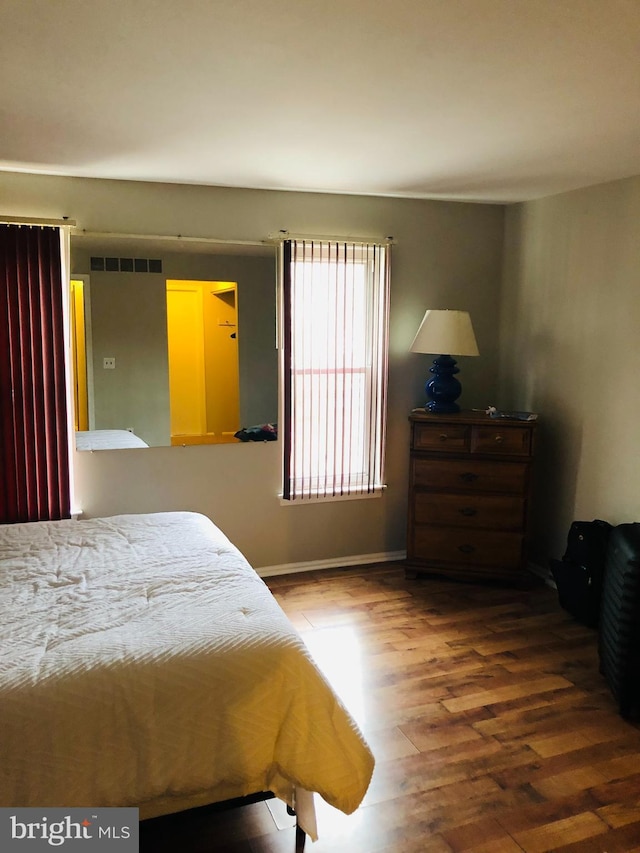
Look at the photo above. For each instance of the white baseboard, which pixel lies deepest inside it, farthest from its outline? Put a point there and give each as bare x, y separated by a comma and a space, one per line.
332, 563
367, 559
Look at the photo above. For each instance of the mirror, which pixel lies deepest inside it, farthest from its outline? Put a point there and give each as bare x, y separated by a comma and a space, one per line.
174, 341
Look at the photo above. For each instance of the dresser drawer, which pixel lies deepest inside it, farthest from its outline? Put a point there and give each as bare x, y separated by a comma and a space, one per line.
470, 475
513, 441
443, 437
501, 512
467, 547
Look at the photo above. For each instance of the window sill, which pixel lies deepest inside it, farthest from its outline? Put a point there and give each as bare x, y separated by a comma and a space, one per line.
316, 498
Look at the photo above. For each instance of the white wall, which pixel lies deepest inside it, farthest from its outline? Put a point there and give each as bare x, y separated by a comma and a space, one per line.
571, 351
447, 255
128, 321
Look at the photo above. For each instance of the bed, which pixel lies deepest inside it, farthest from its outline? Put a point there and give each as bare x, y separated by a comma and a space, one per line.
107, 439
144, 663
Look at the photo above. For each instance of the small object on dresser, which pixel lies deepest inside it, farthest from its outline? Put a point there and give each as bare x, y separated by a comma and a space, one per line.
511, 415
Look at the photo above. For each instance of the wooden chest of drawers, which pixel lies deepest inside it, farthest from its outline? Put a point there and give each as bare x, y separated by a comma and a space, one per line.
469, 491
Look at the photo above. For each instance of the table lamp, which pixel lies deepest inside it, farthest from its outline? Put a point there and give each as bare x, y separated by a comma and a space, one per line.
449, 333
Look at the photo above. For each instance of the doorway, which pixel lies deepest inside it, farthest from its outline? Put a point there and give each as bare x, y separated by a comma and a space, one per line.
78, 325
204, 383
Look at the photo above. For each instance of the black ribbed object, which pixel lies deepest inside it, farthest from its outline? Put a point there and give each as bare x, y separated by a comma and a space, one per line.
619, 628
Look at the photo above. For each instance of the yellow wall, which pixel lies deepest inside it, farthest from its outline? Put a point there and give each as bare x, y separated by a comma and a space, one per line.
78, 356
185, 337
221, 357
203, 359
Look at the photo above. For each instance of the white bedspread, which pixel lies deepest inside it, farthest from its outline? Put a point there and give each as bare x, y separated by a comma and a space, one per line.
107, 439
144, 663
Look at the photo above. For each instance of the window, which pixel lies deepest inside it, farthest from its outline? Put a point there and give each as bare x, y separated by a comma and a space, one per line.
334, 367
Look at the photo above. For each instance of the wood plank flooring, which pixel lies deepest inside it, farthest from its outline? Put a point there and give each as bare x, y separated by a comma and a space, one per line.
492, 728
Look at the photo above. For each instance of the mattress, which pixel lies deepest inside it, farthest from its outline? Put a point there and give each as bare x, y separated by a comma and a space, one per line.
107, 439
144, 663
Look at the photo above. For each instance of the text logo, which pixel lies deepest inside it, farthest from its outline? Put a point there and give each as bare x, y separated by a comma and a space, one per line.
33, 829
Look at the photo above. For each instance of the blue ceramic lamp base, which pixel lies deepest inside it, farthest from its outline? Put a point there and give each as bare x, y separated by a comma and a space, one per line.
443, 389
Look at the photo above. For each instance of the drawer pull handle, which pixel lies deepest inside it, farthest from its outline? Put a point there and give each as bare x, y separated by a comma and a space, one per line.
468, 511
468, 476
498, 438
466, 549
443, 436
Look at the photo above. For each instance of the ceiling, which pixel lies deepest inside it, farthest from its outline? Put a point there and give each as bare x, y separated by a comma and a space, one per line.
485, 100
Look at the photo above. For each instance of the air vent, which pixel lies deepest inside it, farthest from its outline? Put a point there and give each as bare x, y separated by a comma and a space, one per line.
153, 265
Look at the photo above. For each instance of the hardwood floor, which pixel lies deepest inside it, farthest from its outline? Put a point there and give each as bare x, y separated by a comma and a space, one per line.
492, 728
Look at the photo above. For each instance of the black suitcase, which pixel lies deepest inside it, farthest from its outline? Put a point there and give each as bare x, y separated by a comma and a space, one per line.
578, 576
619, 629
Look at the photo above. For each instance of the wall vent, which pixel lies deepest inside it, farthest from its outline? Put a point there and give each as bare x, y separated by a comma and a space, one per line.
153, 265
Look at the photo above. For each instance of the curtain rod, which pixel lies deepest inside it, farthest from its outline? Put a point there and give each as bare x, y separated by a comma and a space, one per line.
28, 220
329, 238
169, 238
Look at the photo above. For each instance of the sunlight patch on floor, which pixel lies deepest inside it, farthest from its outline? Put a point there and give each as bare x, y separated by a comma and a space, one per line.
338, 654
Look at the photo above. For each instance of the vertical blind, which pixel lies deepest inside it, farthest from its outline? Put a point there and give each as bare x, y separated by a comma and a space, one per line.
334, 367
34, 450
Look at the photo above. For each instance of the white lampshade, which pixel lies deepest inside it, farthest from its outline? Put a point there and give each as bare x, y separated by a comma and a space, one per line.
446, 333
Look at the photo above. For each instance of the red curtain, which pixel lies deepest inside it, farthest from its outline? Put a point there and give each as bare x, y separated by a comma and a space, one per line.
34, 454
